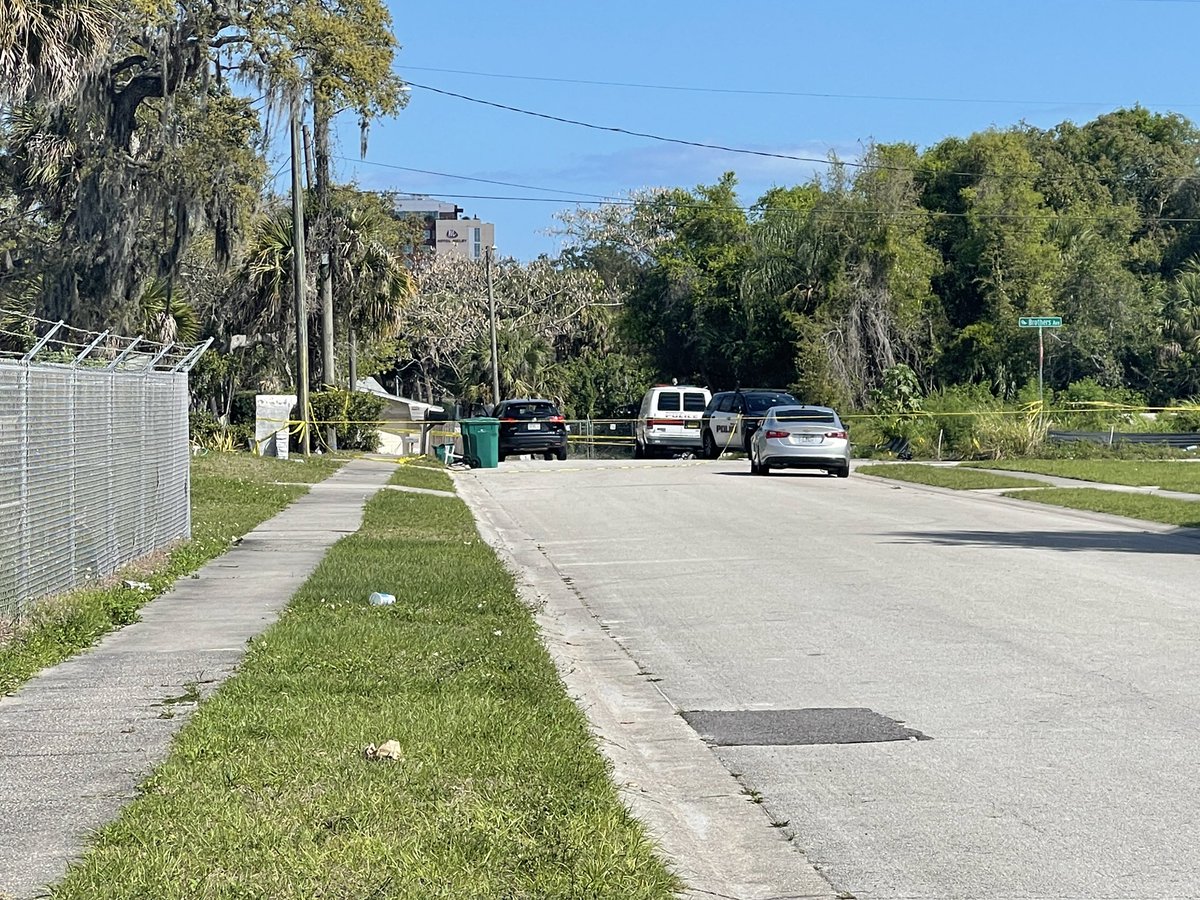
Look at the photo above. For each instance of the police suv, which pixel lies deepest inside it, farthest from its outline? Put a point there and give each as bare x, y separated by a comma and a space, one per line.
731, 417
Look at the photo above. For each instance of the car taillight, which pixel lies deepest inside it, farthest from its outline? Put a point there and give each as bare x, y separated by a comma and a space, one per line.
556, 419
652, 422
776, 434
835, 434
510, 420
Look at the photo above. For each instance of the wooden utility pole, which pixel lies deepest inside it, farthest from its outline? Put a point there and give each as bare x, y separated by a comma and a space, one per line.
492, 320
321, 117
298, 276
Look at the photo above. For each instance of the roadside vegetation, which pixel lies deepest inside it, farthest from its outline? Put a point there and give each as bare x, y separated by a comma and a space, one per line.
138, 196
498, 791
423, 472
1167, 510
231, 494
945, 476
1170, 476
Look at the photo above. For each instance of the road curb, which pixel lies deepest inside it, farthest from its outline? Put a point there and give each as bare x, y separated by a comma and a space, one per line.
717, 841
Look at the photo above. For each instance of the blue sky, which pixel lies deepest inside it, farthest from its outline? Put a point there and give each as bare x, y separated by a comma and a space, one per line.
919, 71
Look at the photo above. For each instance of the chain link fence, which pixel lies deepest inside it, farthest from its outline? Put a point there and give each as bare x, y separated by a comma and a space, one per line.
601, 438
94, 455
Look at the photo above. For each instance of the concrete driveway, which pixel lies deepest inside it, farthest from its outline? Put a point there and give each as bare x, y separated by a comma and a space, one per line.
816, 631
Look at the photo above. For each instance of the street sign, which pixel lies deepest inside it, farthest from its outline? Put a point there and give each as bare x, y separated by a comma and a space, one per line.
1040, 321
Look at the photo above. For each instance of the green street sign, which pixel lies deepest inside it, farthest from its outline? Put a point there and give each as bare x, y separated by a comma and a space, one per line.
1040, 321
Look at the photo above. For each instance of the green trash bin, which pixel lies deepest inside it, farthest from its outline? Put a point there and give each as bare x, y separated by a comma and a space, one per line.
481, 442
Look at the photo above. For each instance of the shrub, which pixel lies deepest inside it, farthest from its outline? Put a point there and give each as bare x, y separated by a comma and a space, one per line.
1086, 405
207, 431
244, 408
355, 416
1185, 420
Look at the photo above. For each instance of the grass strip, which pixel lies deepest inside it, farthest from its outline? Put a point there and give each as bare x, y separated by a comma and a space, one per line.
1167, 510
945, 476
231, 493
1171, 476
423, 473
248, 467
500, 793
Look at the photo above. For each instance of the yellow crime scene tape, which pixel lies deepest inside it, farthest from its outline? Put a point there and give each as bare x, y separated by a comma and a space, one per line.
450, 430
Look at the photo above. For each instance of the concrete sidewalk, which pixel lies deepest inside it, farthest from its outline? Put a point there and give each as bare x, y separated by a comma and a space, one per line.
77, 740
1061, 482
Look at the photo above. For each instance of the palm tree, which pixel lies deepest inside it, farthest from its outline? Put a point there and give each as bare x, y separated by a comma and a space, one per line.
374, 285
267, 274
166, 316
1179, 353
1181, 312
48, 46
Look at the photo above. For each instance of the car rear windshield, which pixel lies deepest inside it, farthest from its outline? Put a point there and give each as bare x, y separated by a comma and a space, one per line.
757, 404
693, 402
668, 401
528, 411
805, 415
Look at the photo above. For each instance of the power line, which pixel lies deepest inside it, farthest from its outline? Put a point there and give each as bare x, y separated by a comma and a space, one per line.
614, 129
513, 184
658, 137
821, 95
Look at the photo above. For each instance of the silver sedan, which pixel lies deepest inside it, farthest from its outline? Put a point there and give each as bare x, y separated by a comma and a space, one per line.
801, 437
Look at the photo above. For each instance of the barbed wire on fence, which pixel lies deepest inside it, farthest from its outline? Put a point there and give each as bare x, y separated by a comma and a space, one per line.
27, 339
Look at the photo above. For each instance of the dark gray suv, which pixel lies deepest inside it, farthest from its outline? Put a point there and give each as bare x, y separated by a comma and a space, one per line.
531, 426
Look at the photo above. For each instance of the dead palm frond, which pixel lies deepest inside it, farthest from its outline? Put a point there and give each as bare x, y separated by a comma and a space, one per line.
48, 46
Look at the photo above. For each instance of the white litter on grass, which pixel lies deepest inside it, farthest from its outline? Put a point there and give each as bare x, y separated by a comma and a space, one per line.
386, 750
137, 585
378, 599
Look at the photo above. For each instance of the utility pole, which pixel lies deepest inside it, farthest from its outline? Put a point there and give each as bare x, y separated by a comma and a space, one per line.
492, 320
321, 117
298, 276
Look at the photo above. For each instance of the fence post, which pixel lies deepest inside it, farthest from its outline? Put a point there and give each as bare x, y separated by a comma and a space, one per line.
23, 536
73, 465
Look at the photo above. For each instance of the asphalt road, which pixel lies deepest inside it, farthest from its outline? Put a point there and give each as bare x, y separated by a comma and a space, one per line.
1051, 658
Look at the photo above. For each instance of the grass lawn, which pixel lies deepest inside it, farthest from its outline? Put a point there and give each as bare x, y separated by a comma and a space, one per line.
248, 467
500, 792
1135, 506
1171, 476
231, 493
947, 477
423, 472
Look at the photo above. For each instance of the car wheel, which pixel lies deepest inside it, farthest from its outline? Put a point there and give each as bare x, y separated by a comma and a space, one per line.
500, 457
843, 472
639, 451
754, 467
548, 455
710, 446
561, 453
760, 467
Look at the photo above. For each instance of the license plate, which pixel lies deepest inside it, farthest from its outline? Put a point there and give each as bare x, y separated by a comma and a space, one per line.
808, 439
692, 424
534, 426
